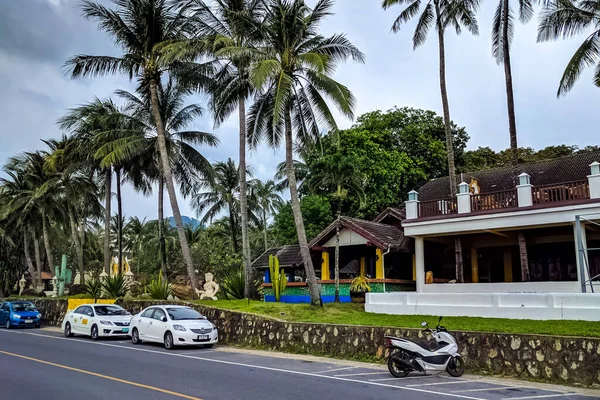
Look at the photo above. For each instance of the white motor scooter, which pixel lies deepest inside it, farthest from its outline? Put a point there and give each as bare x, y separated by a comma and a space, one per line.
407, 355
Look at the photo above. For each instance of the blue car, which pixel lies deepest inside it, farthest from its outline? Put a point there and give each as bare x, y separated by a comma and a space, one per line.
19, 313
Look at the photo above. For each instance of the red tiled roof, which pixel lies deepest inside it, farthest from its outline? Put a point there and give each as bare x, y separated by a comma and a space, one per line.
46, 275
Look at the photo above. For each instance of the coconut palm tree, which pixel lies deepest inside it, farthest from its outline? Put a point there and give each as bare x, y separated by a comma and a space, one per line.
293, 68
565, 19
502, 34
440, 14
266, 200
139, 27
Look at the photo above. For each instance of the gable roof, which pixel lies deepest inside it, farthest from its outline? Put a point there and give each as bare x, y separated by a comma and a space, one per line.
380, 235
289, 256
545, 172
394, 212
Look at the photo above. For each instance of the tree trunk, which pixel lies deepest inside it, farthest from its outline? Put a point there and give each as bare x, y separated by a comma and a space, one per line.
233, 228
248, 289
119, 221
265, 229
337, 257
524, 259
162, 247
510, 101
38, 256
81, 252
75, 238
37, 278
107, 201
168, 176
46, 236
445, 106
458, 254
315, 295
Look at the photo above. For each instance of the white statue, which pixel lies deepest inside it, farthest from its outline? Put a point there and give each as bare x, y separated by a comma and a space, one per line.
211, 288
54, 286
22, 284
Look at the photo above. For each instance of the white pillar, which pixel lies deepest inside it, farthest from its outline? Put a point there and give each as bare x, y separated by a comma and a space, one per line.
412, 205
524, 192
594, 180
420, 262
463, 198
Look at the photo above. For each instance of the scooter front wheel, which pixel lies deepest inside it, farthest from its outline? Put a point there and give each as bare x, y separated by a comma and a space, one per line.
456, 367
395, 367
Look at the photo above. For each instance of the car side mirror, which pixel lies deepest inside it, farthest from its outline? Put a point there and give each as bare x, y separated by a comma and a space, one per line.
423, 324
164, 319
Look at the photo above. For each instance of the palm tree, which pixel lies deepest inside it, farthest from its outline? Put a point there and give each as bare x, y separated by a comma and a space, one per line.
502, 33
139, 27
565, 19
266, 199
222, 195
338, 173
441, 14
293, 68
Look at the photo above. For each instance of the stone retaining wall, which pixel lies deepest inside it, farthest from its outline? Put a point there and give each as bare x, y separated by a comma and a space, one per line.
553, 359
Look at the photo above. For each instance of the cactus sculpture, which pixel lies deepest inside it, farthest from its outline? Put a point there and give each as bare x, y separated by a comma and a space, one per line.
278, 277
63, 275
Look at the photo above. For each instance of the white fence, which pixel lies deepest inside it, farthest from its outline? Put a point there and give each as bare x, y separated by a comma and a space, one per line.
539, 306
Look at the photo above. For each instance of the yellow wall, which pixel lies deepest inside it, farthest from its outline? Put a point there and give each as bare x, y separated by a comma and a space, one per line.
508, 277
74, 303
325, 275
474, 265
379, 264
363, 266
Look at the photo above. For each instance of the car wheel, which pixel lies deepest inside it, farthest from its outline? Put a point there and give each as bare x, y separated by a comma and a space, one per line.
38, 326
68, 332
169, 344
209, 346
135, 336
8, 325
94, 333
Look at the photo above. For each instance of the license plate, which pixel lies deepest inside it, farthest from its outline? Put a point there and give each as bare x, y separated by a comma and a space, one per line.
202, 337
125, 330
28, 321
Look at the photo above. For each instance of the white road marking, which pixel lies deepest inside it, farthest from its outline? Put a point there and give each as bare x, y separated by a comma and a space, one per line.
364, 373
542, 396
484, 389
406, 377
332, 370
412, 389
447, 383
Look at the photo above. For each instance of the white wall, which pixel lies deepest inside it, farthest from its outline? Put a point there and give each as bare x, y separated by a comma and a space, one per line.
508, 287
538, 306
347, 238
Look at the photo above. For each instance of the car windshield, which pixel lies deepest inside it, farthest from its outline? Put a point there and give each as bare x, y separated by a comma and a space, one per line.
23, 307
110, 310
178, 314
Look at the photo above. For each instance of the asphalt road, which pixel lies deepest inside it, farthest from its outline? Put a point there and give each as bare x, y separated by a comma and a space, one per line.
41, 364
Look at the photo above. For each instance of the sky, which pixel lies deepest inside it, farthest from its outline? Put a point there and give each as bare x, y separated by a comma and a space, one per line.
38, 36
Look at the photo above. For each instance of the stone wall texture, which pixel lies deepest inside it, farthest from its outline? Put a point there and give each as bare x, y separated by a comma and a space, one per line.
555, 359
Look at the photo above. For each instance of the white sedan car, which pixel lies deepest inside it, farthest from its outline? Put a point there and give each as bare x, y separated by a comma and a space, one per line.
97, 320
172, 326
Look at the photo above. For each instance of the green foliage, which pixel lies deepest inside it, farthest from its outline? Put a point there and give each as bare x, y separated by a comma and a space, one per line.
316, 212
93, 288
360, 284
114, 287
158, 288
214, 253
278, 277
233, 284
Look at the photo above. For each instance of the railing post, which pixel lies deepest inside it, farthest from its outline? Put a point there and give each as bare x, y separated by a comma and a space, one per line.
524, 191
412, 205
594, 180
463, 198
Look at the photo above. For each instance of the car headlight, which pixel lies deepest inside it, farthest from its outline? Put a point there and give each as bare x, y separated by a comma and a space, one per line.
179, 328
39, 316
106, 323
17, 316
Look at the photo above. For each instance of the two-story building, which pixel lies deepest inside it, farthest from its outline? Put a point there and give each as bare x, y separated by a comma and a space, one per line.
515, 242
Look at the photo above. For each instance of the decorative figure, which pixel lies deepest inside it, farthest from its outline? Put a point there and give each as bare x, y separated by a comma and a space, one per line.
429, 278
211, 288
115, 267
77, 279
22, 283
54, 283
62, 275
474, 186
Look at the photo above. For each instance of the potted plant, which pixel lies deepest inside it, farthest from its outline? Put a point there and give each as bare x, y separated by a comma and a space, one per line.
358, 287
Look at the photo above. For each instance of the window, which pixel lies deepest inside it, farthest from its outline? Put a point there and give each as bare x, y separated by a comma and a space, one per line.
181, 313
80, 310
159, 314
23, 307
88, 311
5, 307
148, 313
110, 310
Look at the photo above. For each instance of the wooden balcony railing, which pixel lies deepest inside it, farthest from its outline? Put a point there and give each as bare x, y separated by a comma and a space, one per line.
557, 192
494, 200
435, 208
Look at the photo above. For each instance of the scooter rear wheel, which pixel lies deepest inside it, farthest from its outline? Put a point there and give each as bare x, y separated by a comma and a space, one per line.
456, 367
395, 368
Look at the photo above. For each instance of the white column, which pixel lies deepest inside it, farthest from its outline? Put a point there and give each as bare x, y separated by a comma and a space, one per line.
412, 205
463, 198
594, 180
420, 262
586, 270
524, 192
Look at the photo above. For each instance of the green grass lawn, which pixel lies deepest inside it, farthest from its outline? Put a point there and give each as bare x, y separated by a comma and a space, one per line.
354, 314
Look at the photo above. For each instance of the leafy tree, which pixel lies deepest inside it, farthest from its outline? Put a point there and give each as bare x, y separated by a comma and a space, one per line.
266, 200
566, 19
316, 214
440, 14
293, 67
